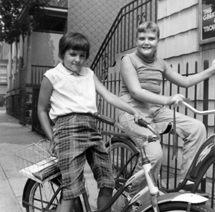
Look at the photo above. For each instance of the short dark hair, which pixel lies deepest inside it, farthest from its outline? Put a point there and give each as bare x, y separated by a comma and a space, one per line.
75, 41
148, 26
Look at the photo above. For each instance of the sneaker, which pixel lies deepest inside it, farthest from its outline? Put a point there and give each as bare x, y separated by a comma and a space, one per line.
54, 209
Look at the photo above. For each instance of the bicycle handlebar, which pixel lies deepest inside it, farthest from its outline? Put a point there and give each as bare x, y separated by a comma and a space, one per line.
205, 112
113, 122
143, 122
104, 119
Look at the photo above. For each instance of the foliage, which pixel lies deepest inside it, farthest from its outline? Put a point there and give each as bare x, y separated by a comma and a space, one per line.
13, 25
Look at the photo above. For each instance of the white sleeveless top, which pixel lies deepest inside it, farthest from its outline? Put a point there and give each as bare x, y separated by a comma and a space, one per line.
71, 93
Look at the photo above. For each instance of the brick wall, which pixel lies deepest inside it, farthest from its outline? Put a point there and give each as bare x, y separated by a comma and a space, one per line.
94, 19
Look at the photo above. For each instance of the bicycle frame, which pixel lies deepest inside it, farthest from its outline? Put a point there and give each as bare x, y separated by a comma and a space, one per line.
152, 188
203, 159
177, 197
156, 200
182, 197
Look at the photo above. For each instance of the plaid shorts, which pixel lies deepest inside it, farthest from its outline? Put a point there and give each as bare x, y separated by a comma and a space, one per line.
76, 140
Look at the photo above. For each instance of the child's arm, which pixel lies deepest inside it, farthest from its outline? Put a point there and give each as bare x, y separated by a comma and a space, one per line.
43, 102
188, 81
115, 100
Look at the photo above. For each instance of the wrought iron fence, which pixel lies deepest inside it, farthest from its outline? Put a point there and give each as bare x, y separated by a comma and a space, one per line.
37, 74
36, 79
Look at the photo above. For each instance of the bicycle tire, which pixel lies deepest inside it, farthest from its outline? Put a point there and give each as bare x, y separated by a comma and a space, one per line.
180, 206
122, 150
39, 195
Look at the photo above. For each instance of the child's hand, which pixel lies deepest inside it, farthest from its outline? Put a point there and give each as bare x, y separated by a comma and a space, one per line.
137, 116
176, 99
51, 148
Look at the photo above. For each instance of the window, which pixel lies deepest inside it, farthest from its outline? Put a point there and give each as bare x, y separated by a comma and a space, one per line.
54, 20
51, 24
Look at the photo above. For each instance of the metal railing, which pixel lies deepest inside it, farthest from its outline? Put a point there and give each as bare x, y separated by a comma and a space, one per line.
37, 74
121, 36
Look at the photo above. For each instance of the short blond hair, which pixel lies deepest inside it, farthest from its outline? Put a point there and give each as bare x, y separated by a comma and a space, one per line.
148, 26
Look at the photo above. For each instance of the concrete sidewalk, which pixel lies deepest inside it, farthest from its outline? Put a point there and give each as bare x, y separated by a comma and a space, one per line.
14, 136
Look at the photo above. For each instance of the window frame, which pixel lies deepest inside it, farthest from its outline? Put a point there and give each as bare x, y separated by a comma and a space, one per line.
201, 40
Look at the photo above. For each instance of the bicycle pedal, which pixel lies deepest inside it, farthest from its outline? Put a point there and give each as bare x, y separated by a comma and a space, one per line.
134, 207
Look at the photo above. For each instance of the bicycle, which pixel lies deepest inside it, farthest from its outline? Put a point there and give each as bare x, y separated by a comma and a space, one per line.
205, 157
35, 189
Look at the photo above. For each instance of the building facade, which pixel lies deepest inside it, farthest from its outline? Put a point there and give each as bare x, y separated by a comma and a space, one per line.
187, 43
3, 73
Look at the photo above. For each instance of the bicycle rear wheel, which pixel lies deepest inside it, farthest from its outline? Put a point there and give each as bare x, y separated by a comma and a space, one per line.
180, 206
40, 195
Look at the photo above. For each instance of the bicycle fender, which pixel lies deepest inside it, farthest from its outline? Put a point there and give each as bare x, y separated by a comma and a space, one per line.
25, 196
182, 197
175, 197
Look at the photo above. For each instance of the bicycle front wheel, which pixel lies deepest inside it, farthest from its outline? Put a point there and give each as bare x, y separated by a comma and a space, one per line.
43, 196
180, 206
124, 156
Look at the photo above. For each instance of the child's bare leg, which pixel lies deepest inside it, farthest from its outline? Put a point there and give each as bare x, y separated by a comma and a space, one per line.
66, 205
105, 195
78, 205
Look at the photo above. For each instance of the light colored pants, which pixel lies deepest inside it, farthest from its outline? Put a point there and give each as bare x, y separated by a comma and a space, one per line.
190, 130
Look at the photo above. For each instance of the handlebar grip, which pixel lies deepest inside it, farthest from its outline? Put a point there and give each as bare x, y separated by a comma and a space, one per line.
143, 123
104, 119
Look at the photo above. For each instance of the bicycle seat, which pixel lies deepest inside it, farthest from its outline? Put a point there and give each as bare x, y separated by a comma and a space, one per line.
168, 129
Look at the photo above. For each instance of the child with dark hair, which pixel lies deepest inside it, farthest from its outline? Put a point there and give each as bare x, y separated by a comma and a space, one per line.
71, 89
142, 73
